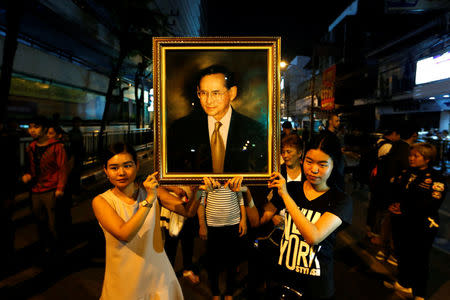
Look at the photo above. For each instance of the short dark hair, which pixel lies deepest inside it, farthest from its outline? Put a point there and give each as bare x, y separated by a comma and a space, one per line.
331, 115
407, 132
387, 132
58, 129
287, 125
230, 80
40, 121
118, 148
292, 140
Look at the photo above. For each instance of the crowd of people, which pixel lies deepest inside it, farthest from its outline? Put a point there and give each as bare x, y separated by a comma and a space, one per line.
307, 201
286, 230
313, 211
405, 195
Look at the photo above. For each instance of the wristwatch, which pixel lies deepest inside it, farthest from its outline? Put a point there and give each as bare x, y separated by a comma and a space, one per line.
145, 203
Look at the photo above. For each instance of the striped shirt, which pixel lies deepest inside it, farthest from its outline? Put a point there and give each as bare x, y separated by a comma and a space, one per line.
222, 207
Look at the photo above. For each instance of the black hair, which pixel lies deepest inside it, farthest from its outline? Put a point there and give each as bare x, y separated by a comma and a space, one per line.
328, 146
230, 80
292, 140
331, 115
407, 132
118, 148
287, 125
58, 129
388, 132
40, 121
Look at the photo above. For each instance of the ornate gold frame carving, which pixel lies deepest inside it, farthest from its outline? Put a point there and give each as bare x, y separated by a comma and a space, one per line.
215, 47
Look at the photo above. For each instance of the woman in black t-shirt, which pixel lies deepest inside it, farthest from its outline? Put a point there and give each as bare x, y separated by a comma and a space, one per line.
314, 213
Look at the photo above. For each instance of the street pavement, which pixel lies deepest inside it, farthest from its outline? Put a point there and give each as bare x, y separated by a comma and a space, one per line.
79, 274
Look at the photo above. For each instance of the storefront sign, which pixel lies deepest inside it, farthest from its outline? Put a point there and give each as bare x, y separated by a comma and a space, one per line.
327, 92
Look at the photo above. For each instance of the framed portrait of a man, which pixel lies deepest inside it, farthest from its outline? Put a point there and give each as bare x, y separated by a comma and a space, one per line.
216, 108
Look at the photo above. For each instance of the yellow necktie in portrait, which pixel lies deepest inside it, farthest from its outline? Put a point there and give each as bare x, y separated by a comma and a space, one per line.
217, 149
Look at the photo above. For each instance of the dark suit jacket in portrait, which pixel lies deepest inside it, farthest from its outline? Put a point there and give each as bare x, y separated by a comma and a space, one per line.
189, 150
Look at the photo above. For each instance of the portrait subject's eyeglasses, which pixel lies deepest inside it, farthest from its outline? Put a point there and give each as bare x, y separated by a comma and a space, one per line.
215, 95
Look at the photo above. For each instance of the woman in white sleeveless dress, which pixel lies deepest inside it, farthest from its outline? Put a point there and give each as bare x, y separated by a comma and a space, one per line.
136, 265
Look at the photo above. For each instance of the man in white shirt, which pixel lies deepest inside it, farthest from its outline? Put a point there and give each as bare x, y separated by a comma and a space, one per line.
216, 139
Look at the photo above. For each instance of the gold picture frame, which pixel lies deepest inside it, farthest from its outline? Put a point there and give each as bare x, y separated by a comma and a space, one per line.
180, 154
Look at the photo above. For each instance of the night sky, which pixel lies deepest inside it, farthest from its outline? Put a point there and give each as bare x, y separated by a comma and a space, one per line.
300, 23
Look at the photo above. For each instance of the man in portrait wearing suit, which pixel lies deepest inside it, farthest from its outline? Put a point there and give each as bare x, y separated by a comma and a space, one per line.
216, 138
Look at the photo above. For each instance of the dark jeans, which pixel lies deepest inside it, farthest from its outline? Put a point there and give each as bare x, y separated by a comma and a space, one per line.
44, 210
415, 245
378, 205
262, 266
223, 254
186, 236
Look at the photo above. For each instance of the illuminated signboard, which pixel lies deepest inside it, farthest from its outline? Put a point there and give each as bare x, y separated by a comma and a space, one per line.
327, 91
433, 68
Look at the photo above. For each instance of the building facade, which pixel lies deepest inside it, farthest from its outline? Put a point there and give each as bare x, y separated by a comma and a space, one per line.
375, 50
66, 53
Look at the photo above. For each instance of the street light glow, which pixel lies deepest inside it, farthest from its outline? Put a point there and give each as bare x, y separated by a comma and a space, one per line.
283, 64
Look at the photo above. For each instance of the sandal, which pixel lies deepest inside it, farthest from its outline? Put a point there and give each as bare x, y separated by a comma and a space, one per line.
189, 275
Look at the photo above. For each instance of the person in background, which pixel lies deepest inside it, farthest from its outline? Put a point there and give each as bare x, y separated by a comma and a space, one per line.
443, 135
380, 183
421, 191
55, 132
186, 235
397, 161
399, 158
286, 129
63, 215
46, 172
222, 220
76, 156
291, 151
330, 133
